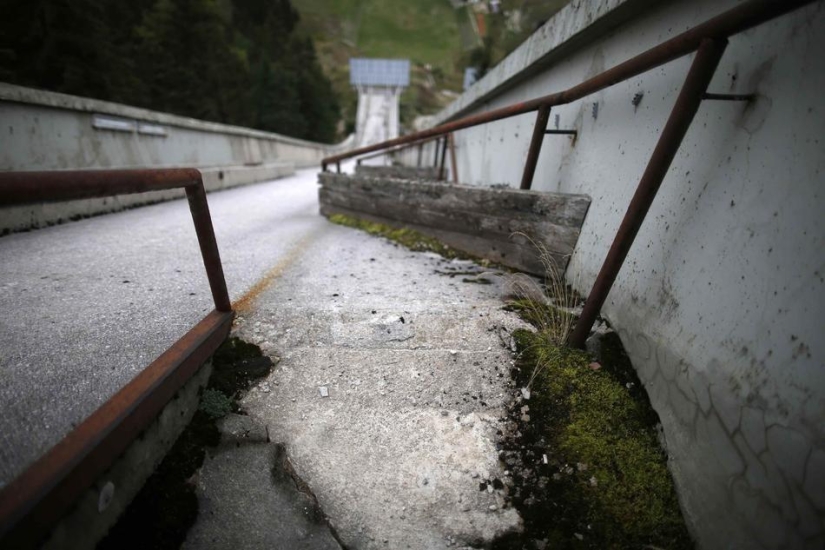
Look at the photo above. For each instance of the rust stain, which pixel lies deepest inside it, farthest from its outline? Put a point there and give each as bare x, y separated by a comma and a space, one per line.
244, 303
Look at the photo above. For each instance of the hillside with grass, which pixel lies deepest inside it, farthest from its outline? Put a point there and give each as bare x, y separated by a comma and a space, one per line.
440, 37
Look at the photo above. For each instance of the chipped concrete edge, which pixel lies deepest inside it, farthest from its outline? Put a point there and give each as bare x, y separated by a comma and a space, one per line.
100, 506
573, 27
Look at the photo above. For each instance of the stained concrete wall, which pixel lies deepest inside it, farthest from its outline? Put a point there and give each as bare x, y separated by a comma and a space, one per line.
721, 302
42, 130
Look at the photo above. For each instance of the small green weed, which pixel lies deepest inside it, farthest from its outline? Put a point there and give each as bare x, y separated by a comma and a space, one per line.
215, 404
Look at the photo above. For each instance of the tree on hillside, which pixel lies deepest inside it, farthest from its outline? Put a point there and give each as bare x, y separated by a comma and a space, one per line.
191, 69
233, 61
319, 104
57, 44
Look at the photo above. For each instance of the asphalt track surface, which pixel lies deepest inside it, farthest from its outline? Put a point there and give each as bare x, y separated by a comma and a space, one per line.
86, 305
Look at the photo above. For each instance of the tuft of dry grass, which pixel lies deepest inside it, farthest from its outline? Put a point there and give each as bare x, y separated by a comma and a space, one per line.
546, 305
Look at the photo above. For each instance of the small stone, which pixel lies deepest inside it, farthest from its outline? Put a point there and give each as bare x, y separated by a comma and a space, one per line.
594, 366
493, 508
544, 459
453, 352
525, 393
578, 536
445, 413
593, 481
323, 391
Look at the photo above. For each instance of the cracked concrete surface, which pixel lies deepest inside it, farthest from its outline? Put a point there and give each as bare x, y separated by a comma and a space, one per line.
415, 376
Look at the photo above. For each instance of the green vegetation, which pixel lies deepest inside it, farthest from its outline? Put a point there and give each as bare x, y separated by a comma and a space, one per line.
240, 62
427, 32
608, 476
215, 404
408, 238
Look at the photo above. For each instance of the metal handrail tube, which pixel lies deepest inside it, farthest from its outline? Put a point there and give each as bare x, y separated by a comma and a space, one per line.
728, 23
18, 188
39, 497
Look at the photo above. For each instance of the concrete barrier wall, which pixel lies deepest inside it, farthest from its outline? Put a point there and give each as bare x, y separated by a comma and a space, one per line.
721, 302
42, 130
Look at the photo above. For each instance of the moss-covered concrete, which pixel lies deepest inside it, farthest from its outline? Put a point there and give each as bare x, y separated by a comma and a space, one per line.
405, 237
602, 479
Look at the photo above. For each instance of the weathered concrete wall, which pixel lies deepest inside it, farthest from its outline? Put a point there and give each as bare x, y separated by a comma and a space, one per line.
721, 302
397, 171
42, 130
502, 225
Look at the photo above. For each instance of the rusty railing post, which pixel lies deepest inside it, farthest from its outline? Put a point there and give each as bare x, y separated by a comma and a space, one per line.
687, 104
535, 147
435, 154
452, 158
443, 158
209, 246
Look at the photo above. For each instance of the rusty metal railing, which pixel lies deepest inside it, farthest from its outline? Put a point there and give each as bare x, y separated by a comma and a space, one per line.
32, 503
709, 39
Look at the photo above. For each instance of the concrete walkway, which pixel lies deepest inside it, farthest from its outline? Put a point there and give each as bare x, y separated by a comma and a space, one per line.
389, 393
378, 427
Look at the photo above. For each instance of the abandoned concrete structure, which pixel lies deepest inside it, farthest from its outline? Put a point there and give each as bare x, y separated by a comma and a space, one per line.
720, 301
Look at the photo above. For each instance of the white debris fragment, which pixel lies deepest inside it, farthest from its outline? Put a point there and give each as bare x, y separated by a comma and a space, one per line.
525, 392
544, 458
323, 391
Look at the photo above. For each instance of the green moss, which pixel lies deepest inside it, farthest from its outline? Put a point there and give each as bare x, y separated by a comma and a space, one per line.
215, 404
607, 475
408, 238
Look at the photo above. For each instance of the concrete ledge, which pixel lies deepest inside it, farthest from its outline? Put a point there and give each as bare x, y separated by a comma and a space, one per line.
573, 27
506, 226
23, 218
97, 510
11, 93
